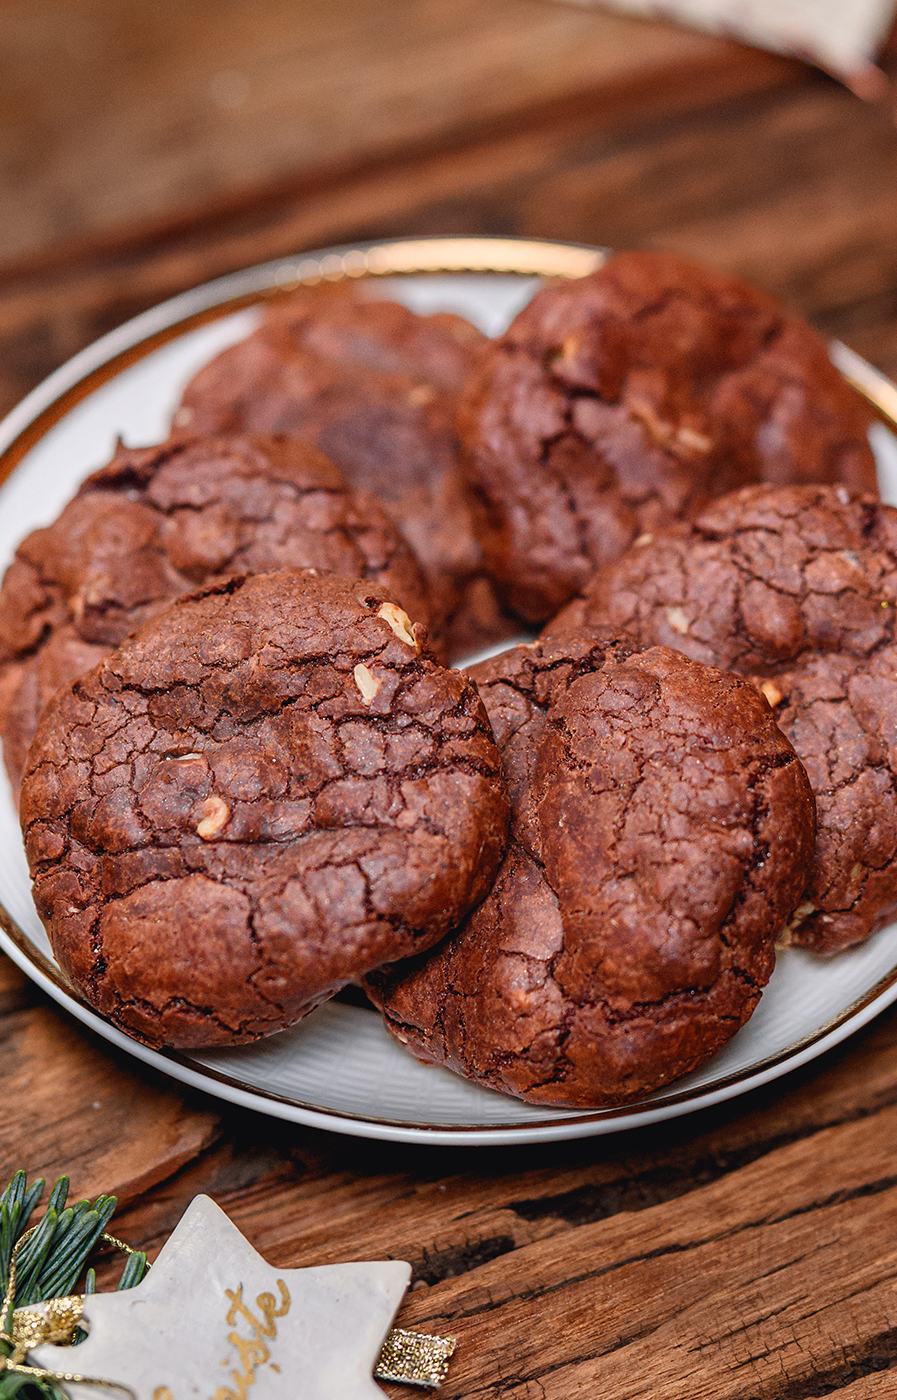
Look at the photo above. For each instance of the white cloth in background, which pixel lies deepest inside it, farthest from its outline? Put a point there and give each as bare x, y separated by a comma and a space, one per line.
841, 36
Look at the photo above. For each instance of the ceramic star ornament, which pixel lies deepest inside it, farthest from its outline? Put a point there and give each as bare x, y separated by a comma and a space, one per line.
213, 1320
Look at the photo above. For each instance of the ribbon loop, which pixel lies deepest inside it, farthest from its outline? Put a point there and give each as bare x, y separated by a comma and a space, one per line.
56, 1323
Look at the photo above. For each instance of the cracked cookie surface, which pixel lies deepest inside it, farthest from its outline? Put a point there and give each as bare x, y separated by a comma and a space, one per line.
661, 833
796, 588
632, 396
376, 387
160, 521
266, 791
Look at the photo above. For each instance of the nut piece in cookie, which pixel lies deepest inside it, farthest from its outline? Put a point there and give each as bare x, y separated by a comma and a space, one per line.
264, 792
619, 401
376, 387
160, 521
796, 588
662, 829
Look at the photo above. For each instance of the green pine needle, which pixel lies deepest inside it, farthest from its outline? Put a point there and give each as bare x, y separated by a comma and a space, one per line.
133, 1271
51, 1262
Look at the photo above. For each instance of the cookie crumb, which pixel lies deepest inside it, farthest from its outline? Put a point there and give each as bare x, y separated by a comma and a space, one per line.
367, 684
570, 347
802, 912
215, 815
679, 621
400, 623
772, 693
698, 442
657, 430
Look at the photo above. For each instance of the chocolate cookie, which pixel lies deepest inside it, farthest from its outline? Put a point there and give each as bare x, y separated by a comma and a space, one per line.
376, 388
630, 397
158, 522
267, 790
661, 833
795, 587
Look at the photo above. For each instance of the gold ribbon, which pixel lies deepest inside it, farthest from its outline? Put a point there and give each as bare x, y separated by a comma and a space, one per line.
57, 1324
414, 1358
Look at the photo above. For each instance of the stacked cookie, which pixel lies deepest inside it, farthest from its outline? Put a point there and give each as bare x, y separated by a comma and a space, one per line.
662, 828
249, 778
158, 522
796, 588
632, 397
266, 791
376, 388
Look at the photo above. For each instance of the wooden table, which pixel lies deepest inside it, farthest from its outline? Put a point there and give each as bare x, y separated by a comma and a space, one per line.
747, 1253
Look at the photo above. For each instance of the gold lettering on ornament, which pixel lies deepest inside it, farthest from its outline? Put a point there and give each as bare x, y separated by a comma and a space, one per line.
253, 1351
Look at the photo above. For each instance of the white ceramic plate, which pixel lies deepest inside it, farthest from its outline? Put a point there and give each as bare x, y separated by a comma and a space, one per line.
339, 1069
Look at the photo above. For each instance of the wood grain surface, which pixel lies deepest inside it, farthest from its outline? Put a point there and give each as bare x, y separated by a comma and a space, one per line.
747, 1253
119, 112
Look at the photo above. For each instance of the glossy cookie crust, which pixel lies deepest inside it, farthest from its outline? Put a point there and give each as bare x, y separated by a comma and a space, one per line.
619, 401
269, 789
661, 833
376, 388
157, 522
796, 588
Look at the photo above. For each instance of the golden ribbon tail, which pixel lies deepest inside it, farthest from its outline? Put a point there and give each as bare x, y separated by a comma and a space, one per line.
414, 1358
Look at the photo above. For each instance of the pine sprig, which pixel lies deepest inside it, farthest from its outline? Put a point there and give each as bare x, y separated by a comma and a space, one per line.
16, 1206
50, 1263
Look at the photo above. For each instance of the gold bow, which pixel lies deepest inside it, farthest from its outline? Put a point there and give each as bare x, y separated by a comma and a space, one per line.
56, 1323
